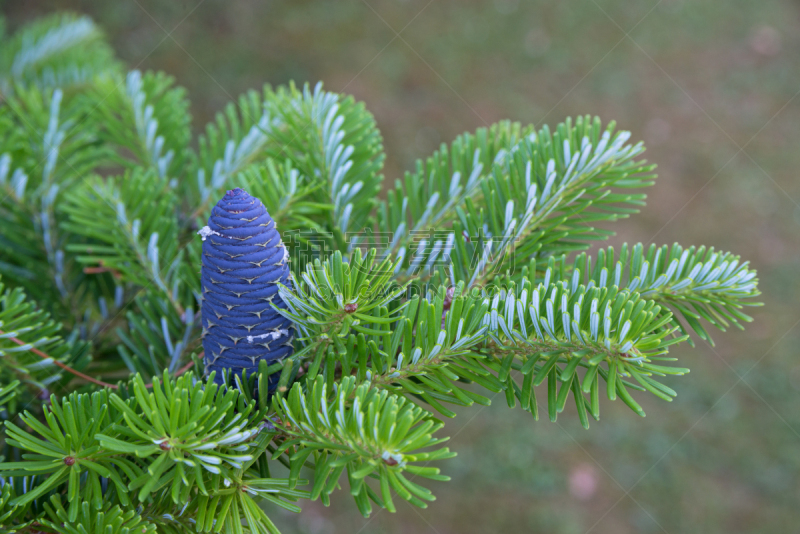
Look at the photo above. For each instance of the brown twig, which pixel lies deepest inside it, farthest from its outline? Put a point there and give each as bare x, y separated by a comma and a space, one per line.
179, 372
101, 269
186, 367
75, 372
62, 365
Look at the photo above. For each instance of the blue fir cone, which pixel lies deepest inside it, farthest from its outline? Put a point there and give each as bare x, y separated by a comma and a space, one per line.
244, 259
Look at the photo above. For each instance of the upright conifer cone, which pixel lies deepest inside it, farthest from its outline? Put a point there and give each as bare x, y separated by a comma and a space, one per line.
244, 259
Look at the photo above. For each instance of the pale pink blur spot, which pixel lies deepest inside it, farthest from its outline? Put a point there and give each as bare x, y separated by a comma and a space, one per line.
583, 482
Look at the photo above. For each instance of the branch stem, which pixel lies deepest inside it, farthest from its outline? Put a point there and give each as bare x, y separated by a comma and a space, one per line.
62, 365
85, 376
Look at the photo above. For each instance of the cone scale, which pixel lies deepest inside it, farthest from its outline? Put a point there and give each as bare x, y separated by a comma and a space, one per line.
244, 260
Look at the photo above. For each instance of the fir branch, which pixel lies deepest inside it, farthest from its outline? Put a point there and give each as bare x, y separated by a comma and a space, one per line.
109, 520
50, 151
234, 141
369, 433
566, 179
433, 351
333, 140
181, 437
386, 337
696, 282
431, 195
584, 327
28, 331
58, 51
158, 336
333, 297
4, 335
144, 116
123, 224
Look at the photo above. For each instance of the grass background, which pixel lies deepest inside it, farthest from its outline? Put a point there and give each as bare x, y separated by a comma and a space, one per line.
709, 86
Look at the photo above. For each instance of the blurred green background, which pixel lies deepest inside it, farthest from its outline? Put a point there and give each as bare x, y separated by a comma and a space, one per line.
709, 86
